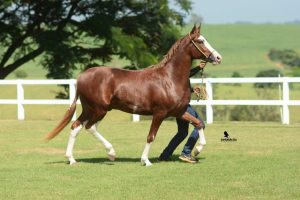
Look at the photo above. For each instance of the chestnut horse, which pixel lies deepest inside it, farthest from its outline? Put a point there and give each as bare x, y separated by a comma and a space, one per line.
161, 90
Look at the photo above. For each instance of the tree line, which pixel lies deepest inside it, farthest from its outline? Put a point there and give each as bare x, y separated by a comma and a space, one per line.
74, 34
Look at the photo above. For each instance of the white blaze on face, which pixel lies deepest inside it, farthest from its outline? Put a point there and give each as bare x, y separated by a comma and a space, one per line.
215, 56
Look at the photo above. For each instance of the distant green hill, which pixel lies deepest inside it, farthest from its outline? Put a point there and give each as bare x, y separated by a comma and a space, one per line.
244, 48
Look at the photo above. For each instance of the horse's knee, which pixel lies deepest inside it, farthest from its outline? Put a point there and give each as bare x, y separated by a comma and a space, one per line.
150, 138
75, 124
75, 130
199, 124
202, 124
91, 129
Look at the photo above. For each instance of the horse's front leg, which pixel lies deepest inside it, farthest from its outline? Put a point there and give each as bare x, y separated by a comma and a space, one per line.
156, 122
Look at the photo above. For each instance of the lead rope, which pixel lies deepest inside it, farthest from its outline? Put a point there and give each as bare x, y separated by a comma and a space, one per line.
201, 90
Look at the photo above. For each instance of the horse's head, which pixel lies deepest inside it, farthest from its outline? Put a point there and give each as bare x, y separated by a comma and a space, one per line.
201, 49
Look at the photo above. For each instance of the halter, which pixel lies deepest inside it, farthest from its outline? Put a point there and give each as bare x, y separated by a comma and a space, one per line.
199, 49
202, 94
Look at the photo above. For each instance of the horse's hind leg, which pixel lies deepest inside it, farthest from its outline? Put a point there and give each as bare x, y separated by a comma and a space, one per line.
76, 127
91, 127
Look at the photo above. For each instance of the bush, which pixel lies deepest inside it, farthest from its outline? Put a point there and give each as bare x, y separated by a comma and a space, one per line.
20, 74
288, 57
236, 75
255, 113
267, 73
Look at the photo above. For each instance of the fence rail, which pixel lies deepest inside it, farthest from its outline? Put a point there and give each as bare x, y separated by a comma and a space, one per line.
285, 102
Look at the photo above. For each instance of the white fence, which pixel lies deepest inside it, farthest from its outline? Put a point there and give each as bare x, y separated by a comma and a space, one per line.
285, 102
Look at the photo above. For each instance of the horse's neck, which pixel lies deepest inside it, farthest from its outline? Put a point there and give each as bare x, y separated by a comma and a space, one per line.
179, 67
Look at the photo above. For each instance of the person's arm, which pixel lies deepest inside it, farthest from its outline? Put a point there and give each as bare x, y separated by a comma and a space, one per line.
194, 71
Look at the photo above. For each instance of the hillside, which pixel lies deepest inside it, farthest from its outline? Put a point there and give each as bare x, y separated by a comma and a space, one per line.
244, 48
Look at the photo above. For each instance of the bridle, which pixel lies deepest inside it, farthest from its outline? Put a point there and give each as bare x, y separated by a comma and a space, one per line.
202, 94
199, 49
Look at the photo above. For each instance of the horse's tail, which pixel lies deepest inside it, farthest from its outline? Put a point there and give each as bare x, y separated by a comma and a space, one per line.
64, 122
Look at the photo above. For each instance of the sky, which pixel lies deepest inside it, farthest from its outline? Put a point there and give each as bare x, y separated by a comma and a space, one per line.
255, 11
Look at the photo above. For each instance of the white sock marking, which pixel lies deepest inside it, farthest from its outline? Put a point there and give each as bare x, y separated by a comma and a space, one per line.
108, 146
144, 159
71, 143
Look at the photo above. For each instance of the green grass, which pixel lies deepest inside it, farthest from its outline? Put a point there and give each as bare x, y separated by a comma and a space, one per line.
262, 164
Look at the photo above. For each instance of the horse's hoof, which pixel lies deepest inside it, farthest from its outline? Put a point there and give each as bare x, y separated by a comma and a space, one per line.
196, 152
146, 162
111, 157
72, 162
111, 154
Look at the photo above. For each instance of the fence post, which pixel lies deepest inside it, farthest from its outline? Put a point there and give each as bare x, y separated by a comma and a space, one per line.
135, 118
72, 93
285, 97
209, 109
20, 96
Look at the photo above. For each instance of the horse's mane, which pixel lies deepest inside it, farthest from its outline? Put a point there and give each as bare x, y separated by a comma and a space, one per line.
169, 55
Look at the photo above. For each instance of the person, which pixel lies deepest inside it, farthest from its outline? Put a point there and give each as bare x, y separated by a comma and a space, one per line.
183, 128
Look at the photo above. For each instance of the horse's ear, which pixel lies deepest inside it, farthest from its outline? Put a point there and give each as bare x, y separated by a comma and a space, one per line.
199, 29
194, 29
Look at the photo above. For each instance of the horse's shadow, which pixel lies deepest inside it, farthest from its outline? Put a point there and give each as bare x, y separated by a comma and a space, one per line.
99, 160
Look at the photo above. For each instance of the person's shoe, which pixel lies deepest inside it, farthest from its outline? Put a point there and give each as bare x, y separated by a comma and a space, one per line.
187, 158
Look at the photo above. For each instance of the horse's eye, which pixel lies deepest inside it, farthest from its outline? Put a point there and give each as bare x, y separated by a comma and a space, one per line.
201, 41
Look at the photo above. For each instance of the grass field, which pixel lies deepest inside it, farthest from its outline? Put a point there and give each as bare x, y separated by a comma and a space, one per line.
262, 164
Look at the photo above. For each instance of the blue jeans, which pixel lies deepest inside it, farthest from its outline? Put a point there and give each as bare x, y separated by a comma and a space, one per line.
183, 129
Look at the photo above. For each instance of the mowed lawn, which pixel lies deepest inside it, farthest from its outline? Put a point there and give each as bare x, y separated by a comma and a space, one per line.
264, 163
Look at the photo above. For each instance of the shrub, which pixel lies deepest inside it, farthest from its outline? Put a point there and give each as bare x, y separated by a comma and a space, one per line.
20, 74
255, 113
288, 57
267, 73
236, 74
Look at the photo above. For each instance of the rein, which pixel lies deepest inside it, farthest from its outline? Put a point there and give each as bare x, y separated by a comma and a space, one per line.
201, 90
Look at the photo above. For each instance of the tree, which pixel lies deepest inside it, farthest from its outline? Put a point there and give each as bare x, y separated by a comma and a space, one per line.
287, 57
74, 34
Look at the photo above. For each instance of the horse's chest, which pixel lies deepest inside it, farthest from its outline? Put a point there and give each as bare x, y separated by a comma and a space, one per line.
181, 100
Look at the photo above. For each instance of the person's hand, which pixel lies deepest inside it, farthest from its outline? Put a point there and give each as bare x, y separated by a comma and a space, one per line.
196, 90
202, 64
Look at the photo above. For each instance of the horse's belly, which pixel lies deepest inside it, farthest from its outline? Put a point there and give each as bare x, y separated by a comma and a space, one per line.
130, 106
